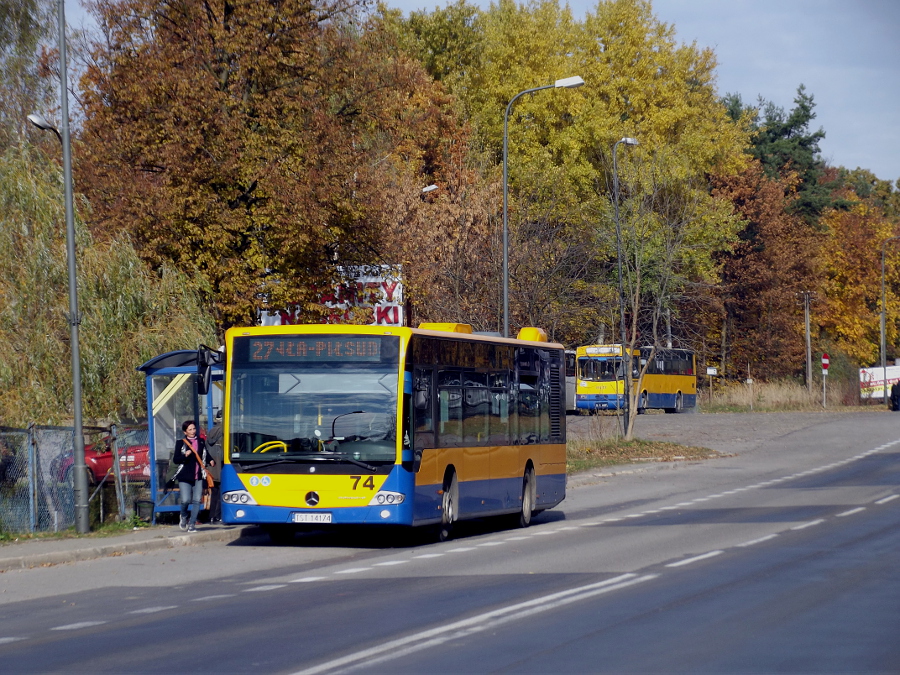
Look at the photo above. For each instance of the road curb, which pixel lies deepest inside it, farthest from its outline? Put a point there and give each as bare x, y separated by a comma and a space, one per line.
89, 552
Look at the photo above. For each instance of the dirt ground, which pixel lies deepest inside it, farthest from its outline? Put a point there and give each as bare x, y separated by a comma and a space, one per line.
724, 432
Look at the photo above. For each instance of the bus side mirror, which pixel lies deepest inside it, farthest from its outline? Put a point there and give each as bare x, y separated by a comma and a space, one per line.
206, 357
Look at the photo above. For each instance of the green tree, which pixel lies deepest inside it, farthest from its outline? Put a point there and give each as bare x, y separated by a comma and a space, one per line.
26, 28
783, 142
447, 41
129, 313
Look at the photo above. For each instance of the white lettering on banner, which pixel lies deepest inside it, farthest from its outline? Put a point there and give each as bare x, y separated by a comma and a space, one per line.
379, 294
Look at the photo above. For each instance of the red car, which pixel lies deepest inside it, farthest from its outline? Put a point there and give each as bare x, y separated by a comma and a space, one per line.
134, 459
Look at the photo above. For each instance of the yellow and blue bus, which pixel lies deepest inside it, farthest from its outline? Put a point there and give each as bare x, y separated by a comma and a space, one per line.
670, 382
329, 425
600, 373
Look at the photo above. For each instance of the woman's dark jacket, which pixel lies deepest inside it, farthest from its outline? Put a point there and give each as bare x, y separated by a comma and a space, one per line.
188, 468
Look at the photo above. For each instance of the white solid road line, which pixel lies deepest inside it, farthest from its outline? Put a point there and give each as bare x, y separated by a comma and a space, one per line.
487, 621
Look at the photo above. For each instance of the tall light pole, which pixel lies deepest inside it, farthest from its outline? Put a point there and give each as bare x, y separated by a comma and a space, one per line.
82, 520
566, 83
883, 348
626, 356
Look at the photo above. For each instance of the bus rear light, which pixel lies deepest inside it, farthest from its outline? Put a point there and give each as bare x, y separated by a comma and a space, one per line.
384, 497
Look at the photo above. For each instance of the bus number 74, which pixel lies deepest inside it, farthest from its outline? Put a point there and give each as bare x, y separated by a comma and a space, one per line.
370, 482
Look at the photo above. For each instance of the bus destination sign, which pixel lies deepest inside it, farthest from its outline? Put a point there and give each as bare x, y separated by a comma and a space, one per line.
314, 349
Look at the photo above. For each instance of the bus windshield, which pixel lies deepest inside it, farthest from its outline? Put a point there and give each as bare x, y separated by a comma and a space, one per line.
605, 369
321, 407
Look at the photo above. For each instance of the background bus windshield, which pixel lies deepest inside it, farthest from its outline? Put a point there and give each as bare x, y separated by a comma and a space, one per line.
604, 369
314, 400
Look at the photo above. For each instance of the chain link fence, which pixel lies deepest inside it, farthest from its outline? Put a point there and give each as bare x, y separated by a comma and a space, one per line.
37, 467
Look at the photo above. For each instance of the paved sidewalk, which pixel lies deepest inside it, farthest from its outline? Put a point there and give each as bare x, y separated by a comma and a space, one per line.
42, 552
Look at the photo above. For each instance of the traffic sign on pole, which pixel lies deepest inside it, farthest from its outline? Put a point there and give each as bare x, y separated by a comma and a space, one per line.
825, 363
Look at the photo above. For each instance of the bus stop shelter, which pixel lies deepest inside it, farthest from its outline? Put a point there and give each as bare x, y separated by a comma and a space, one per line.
172, 398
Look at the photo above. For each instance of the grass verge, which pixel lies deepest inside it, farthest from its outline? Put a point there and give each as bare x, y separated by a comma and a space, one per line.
582, 455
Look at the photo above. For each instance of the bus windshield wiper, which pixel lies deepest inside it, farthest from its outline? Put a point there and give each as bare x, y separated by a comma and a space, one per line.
337, 458
247, 466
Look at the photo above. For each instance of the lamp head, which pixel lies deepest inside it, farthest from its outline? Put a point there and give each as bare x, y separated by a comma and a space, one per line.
569, 82
40, 122
629, 141
430, 188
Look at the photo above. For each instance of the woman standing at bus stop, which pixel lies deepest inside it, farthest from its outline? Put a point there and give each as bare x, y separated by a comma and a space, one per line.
191, 453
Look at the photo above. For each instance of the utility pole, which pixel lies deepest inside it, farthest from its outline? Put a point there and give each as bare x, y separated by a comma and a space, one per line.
806, 299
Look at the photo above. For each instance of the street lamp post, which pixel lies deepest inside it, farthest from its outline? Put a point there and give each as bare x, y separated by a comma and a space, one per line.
82, 521
883, 348
626, 357
566, 83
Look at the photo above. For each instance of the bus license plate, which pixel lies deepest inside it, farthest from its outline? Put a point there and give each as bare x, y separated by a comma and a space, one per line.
310, 517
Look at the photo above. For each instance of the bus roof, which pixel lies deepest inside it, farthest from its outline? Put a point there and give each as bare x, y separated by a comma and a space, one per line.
525, 336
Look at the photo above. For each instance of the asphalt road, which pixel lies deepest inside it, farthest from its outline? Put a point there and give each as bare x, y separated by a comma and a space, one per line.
777, 558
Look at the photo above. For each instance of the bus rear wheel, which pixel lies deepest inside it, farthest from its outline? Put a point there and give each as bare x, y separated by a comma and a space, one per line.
523, 519
449, 499
679, 405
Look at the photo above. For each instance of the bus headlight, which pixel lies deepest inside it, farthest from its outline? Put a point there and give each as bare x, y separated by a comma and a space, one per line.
384, 497
238, 497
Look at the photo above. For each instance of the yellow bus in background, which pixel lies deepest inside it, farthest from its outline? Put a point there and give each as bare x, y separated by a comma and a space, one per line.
670, 382
600, 372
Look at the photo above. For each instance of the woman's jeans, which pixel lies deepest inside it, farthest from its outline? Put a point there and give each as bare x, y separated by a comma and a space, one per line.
190, 494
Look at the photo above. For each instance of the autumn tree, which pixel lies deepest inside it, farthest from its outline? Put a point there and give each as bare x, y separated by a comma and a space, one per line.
243, 141
849, 314
775, 258
639, 82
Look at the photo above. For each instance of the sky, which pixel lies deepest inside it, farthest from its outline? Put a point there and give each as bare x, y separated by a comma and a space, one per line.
846, 53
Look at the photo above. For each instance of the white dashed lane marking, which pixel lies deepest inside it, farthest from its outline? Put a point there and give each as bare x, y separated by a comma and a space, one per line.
78, 626
809, 524
757, 541
213, 597
696, 558
153, 610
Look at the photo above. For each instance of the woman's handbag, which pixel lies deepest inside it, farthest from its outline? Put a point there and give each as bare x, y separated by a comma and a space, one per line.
207, 489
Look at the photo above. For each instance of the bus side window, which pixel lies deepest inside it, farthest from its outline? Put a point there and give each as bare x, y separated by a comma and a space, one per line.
423, 413
422, 387
450, 394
